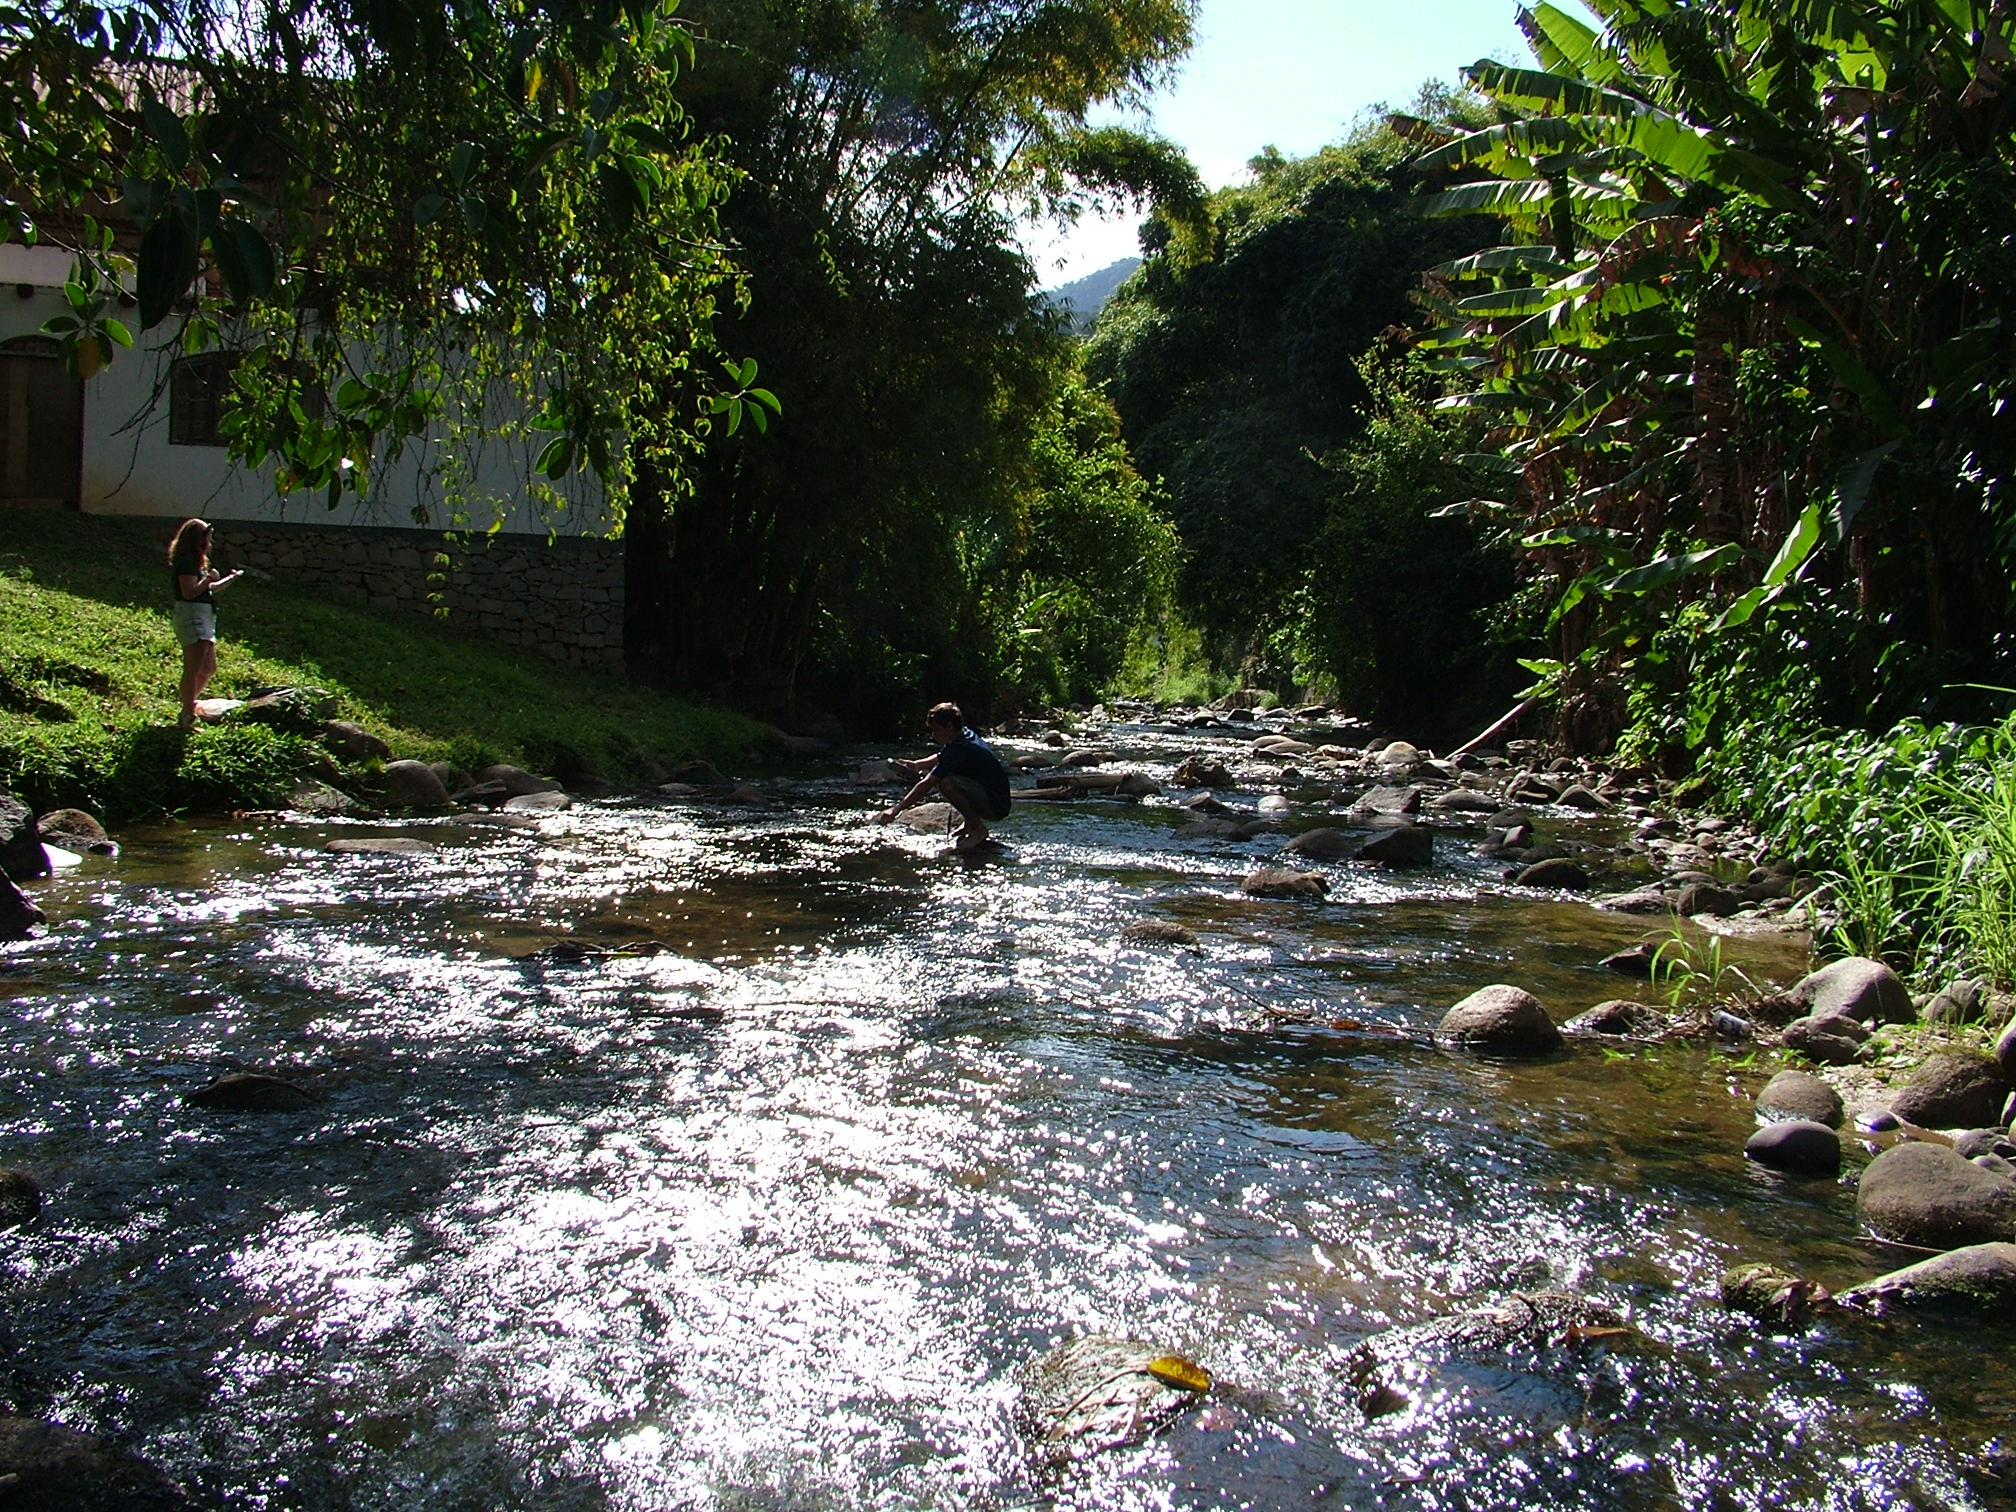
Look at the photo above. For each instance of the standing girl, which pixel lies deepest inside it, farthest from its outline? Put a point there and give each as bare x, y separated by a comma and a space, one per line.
195, 610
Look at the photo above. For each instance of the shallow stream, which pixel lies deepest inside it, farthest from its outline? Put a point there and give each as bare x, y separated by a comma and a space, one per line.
771, 1217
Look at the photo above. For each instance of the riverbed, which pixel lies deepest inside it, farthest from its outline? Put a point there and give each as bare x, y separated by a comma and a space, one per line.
758, 1191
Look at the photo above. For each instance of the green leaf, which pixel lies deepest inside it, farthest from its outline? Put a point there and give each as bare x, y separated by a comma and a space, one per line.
167, 267
167, 130
1665, 570
117, 331
460, 161
429, 208
555, 457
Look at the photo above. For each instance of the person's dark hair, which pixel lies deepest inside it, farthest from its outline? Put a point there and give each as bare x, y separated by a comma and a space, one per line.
192, 536
945, 716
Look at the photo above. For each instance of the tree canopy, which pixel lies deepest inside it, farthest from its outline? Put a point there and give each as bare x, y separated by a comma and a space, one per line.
406, 218
1745, 353
884, 151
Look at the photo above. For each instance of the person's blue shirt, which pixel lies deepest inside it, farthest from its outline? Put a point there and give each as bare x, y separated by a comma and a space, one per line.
970, 756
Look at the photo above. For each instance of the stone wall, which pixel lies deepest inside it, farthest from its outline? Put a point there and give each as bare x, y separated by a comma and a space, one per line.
563, 599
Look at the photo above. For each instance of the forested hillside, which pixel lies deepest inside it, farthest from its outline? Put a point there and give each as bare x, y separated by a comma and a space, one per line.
1270, 386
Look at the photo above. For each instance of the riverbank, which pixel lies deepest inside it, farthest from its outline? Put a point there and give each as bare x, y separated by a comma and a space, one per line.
88, 669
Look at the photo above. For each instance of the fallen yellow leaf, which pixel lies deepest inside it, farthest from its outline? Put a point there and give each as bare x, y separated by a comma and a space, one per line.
1174, 1370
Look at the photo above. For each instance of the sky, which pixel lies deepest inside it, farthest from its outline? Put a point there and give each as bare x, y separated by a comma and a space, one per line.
1292, 74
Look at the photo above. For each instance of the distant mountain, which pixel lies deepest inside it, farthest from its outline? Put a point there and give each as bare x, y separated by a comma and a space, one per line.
1084, 297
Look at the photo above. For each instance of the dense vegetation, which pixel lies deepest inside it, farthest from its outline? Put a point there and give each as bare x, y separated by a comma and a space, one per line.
88, 666
1267, 384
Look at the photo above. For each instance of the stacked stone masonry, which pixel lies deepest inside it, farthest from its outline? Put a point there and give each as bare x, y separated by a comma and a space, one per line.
563, 599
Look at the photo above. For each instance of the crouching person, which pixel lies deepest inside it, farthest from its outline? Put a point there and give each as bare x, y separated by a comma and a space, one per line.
965, 773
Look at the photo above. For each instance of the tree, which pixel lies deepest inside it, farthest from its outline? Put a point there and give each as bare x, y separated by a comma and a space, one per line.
401, 217
883, 150
1746, 349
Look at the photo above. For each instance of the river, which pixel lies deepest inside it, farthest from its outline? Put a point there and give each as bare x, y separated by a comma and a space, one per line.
766, 1208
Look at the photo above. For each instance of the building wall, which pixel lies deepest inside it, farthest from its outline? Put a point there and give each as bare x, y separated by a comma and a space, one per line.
559, 595
562, 599
130, 467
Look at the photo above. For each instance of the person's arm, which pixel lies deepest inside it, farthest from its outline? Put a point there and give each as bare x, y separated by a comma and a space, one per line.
189, 584
225, 580
924, 785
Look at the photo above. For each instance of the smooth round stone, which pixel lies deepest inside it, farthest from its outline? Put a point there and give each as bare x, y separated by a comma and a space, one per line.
1799, 1095
1798, 1145
1506, 1019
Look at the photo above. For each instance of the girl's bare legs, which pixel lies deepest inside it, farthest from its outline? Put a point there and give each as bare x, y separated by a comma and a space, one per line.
199, 665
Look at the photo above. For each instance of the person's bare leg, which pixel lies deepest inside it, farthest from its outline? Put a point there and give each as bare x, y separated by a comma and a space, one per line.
199, 665
973, 832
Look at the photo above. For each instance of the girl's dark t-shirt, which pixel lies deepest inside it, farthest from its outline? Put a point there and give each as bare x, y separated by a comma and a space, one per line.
187, 566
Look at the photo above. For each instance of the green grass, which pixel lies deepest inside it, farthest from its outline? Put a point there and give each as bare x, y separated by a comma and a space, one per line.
89, 665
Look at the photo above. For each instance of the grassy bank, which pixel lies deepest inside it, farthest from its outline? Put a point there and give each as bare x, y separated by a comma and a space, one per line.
88, 668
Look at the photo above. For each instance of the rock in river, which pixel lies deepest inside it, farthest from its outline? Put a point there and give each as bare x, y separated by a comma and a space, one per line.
1798, 1145
1403, 844
1391, 1370
1097, 1393
1799, 1095
1954, 1089
1856, 988
1508, 1020
53, 1469
1928, 1195
1768, 1293
1157, 932
414, 784
1323, 844
18, 915
1981, 1276
20, 1197
1284, 882
250, 1092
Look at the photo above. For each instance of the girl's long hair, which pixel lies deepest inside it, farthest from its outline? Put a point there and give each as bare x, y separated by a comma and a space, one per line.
188, 533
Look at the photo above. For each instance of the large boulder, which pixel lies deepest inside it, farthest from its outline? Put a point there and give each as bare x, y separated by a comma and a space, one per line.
1856, 988
1799, 1145
1202, 771
1799, 1095
518, 782
1284, 882
18, 914
1507, 1020
73, 829
1831, 1041
55, 1469
251, 1092
20, 1197
1323, 844
1929, 1195
413, 785
21, 856
353, 742
1403, 845
295, 711
1157, 932
1558, 872
1980, 1277
1953, 1089
1099, 1393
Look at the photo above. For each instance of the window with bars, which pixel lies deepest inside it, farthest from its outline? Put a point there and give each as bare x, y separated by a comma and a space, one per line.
196, 389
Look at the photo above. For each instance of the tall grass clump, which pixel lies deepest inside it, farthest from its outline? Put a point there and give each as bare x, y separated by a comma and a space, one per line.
1913, 834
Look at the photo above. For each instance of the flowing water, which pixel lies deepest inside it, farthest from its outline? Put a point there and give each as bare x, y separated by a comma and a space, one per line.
771, 1217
